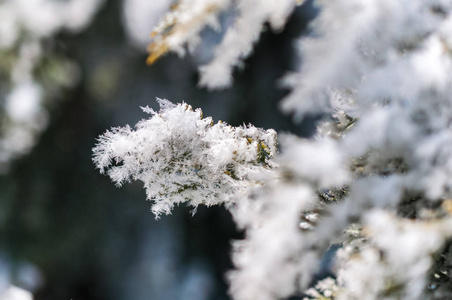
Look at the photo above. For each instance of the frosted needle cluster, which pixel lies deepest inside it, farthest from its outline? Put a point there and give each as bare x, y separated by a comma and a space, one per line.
181, 156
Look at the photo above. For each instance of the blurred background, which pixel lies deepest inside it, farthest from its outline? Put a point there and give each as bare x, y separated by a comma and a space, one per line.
70, 70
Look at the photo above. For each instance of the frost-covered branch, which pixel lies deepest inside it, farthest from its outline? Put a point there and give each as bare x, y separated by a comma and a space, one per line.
31, 84
183, 24
376, 178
